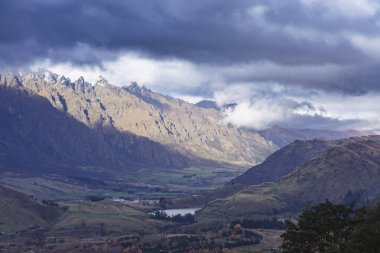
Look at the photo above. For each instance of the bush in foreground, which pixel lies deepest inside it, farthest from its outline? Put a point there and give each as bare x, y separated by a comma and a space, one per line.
334, 229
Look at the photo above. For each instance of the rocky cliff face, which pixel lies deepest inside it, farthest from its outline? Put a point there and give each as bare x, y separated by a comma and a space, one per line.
190, 130
38, 138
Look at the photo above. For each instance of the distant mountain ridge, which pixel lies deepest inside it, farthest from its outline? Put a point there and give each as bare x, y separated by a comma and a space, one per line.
283, 136
50, 123
207, 104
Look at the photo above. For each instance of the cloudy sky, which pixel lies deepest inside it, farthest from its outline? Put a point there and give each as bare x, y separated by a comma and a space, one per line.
293, 63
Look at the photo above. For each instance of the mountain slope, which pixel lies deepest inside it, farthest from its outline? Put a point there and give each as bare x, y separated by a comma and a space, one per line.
19, 211
282, 162
349, 170
283, 136
36, 137
351, 165
191, 130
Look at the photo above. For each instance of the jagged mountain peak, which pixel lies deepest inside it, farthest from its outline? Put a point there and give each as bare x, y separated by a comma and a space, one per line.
135, 88
134, 85
47, 75
101, 81
140, 111
63, 80
81, 85
80, 81
41, 75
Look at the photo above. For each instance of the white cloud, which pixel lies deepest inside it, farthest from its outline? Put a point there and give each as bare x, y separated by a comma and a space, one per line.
189, 98
175, 76
165, 75
348, 8
266, 93
261, 106
368, 45
258, 114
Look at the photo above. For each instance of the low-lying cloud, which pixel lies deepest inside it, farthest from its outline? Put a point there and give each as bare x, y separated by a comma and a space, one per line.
259, 108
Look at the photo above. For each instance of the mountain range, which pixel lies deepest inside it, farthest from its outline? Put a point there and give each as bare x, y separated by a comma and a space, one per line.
74, 154
47, 117
51, 125
283, 136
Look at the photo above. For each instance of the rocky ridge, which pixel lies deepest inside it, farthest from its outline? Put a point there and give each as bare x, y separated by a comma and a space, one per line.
191, 130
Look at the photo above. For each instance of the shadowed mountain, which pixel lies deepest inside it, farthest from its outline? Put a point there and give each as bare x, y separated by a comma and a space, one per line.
36, 137
283, 136
190, 130
348, 170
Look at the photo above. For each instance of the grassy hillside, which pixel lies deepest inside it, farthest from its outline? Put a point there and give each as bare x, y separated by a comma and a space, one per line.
103, 218
19, 211
282, 162
347, 171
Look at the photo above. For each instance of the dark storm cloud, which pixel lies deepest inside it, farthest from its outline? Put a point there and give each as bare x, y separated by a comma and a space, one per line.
195, 30
214, 32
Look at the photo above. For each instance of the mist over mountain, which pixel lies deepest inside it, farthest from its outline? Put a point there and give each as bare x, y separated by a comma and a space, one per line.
283, 136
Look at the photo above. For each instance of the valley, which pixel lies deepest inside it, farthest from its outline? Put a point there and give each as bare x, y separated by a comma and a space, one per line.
109, 169
141, 184
179, 126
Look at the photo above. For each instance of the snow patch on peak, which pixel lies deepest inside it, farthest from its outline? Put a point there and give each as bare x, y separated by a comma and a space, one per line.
50, 77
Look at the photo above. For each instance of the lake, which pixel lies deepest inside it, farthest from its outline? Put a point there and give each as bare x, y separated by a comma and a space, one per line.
181, 211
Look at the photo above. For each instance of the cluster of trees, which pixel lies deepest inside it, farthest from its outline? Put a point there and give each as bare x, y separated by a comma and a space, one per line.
265, 223
94, 198
187, 218
334, 229
237, 236
50, 203
164, 202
